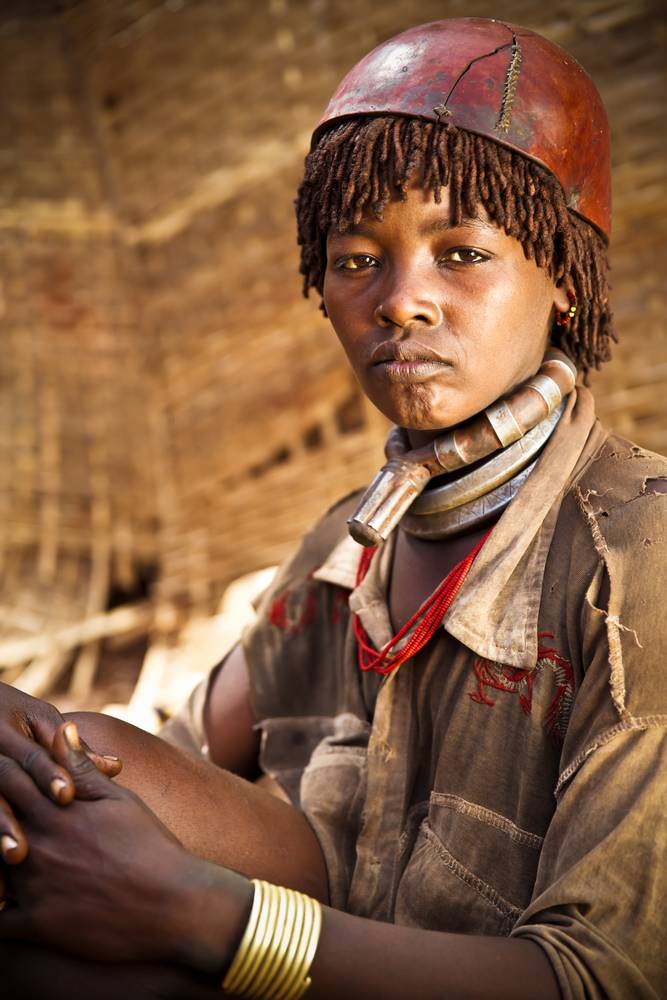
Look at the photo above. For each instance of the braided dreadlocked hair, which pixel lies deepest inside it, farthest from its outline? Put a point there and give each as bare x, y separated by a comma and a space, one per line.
359, 165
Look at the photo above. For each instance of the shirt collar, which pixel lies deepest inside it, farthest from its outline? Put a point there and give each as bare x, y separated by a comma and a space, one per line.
495, 613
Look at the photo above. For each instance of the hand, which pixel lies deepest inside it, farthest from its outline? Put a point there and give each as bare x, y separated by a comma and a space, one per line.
38, 974
44, 975
106, 880
27, 728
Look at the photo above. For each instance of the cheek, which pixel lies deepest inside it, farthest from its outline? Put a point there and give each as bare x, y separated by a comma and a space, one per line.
344, 312
337, 308
519, 312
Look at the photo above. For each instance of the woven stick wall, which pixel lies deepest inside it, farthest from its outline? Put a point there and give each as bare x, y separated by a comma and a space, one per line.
173, 415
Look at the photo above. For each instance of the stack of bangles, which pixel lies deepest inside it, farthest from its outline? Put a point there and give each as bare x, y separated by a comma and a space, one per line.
278, 946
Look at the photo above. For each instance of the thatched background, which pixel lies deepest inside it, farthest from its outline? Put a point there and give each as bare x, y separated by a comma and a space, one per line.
172, 413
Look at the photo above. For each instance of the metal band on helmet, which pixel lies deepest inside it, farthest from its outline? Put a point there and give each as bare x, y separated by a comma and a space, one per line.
497, 80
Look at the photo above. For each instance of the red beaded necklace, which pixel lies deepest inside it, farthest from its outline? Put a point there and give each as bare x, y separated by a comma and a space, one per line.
431, 614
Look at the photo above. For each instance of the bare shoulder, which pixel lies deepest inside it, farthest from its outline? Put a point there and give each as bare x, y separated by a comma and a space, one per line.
233, 742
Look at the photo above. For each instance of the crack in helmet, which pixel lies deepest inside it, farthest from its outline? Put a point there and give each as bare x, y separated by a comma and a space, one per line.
498, 80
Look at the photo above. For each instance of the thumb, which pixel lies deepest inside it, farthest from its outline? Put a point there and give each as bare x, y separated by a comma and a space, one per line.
89, 782
111, 766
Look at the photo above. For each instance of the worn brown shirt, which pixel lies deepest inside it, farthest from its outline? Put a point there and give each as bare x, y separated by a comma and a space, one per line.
510, 779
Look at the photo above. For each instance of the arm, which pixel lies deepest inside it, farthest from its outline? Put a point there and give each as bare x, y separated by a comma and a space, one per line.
596, 917
233, 743
72, 895
216, 721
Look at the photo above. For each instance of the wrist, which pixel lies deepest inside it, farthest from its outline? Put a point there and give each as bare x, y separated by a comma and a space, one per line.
208, 915
278, 945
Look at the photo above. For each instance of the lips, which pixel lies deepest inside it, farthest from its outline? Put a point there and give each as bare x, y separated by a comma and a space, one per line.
407, 362
405, 351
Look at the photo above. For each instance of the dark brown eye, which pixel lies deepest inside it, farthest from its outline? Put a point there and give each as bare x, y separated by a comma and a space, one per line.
464, 255
356, 262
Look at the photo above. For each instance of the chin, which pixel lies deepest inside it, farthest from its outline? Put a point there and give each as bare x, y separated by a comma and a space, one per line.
416, 410
425, 420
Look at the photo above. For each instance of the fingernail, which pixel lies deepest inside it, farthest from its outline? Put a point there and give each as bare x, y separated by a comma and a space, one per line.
58, 786
8, 843
110, 757
72, 736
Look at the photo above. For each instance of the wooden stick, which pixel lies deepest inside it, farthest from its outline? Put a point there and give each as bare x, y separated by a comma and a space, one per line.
39, 677
68, 637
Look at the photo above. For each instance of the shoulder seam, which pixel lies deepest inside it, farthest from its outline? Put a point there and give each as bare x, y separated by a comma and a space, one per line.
633, 724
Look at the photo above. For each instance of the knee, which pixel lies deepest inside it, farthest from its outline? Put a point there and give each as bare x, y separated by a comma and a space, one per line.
101, 732
109, 736
146, 759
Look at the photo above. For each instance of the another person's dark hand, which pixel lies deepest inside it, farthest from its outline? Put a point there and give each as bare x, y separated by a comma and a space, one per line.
31, 973
105, 880
27, 729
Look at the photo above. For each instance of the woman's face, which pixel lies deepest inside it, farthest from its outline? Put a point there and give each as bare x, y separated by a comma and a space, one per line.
437, 322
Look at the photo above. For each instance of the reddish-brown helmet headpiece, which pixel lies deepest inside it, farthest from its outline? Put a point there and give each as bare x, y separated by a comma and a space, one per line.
500, 81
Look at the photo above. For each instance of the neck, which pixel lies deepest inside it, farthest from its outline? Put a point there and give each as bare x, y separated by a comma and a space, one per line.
419, 438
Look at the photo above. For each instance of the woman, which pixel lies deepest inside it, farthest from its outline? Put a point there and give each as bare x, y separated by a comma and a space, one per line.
479, 803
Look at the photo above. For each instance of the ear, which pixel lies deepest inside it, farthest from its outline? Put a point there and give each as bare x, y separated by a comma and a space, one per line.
563, 293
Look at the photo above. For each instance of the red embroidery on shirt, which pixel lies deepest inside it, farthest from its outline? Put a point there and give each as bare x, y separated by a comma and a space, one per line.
502, 678
560, 709
298, 621
520, 682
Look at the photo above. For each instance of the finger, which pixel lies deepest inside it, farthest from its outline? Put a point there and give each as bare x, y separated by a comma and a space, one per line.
106, 763
51, 779
13, 842
43, 725
89, 782
19, 793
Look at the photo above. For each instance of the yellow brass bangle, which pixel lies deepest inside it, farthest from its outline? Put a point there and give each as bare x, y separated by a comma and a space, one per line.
281, 928
251, 952
312, 948
290, 946
265, 927
295, 978
278, 945
303, 980
230, 980
249, 956
301, 989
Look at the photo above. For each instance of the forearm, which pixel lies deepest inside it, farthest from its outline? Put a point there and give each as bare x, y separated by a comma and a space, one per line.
359, 958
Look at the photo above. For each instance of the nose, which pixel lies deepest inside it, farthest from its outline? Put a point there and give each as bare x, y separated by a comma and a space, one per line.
404, 304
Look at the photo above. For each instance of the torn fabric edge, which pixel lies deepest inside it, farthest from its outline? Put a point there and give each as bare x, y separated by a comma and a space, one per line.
614, 626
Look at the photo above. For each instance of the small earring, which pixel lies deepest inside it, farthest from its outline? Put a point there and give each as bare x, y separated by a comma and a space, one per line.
563, 318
